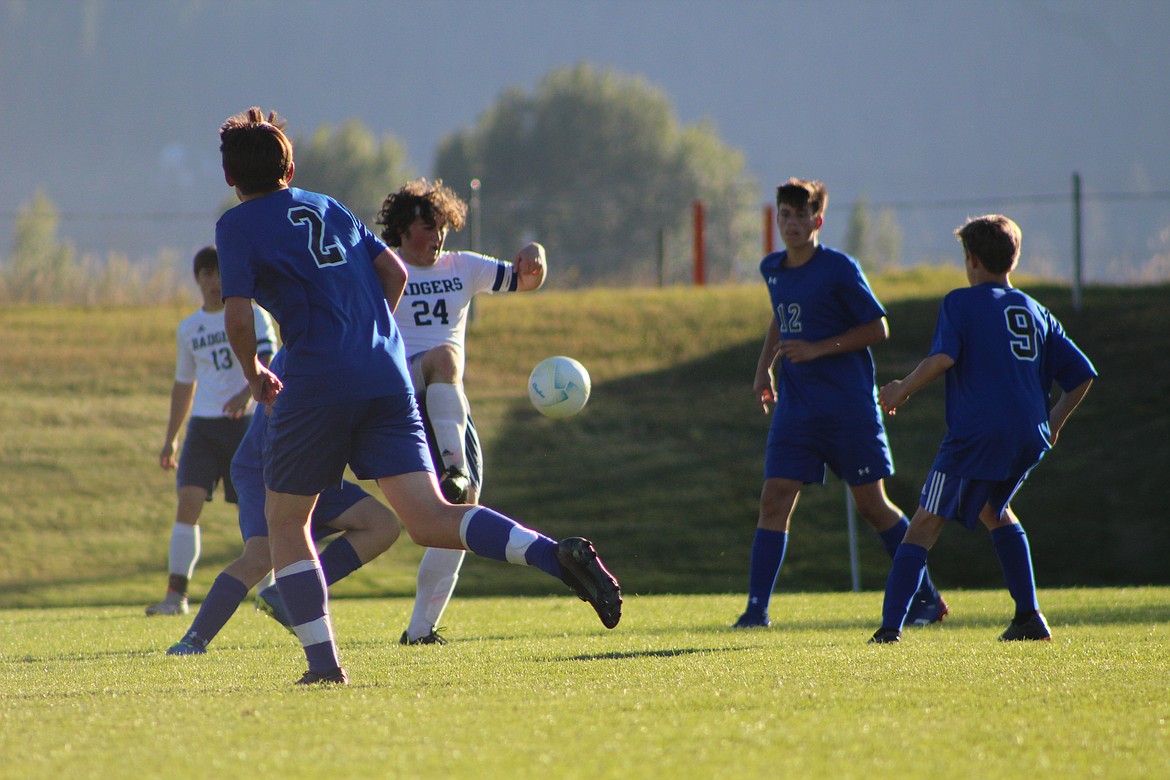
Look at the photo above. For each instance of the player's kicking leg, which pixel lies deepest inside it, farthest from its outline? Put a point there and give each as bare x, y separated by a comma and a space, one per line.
432, 522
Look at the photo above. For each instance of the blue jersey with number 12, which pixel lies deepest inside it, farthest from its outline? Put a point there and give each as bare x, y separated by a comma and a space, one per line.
824, 297
1008, 351
309, 261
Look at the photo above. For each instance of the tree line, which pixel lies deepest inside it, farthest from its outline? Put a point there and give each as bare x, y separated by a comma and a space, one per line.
593, 163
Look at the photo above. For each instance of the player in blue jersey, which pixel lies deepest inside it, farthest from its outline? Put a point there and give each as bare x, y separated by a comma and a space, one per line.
368, 529
345, 397
824, 320
1001, 352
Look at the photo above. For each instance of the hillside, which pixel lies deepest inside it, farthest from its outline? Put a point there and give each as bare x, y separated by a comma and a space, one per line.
662, 469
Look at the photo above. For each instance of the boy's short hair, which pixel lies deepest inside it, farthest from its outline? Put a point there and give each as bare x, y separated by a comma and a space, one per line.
994, 239
206, 259
800, 193
256, 152
434, 203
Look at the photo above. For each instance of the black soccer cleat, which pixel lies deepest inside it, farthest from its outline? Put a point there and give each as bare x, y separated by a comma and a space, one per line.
335, 677
454, 484
582, 570
885, 636
432, 638
1035, 628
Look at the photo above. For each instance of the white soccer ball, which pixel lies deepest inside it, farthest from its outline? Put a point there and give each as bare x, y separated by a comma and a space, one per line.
559, 387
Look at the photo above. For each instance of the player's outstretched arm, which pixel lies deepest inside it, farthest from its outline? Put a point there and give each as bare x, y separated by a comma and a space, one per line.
898, 392
1064, 407
531, 267
239, 322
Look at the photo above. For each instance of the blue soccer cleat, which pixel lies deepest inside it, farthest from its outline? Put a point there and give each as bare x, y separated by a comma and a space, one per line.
923, 612
186, 647
270, 602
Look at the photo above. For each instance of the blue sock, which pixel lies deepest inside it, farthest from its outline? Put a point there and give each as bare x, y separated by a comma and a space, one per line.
1015, 558
902, 583
217, 608
302, 586
891, 538
768, 550
339, 560
489, 534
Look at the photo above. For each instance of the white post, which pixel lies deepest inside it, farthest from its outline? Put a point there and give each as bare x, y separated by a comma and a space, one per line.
851, 522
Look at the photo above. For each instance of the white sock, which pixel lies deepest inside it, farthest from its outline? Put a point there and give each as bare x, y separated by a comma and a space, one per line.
437, 574
184, 550
447, 409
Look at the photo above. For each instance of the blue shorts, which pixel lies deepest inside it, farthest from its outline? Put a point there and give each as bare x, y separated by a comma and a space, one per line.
330, 506
858, 453
206, 456
306, 449
962, 500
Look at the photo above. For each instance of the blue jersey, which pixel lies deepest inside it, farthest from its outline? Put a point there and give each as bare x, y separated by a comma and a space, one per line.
307, 260
1008, 351
825, 297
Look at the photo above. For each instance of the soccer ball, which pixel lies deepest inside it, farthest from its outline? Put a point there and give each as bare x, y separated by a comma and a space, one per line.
559, 387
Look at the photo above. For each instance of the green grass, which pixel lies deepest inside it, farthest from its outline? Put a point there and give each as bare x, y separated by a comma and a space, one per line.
662, 469
533, 687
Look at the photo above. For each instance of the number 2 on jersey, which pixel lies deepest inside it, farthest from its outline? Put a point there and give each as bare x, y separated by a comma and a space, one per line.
788, 315
324, 254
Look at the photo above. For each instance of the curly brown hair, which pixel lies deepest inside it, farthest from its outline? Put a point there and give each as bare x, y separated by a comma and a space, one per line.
420, 199
256, 152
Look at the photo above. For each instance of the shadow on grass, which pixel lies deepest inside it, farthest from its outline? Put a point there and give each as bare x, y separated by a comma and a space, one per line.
622, 656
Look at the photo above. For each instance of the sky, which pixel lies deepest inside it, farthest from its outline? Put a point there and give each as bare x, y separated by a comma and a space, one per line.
941, 108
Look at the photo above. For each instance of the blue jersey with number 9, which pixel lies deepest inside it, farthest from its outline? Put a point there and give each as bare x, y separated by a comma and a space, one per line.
309, 261
1008, 351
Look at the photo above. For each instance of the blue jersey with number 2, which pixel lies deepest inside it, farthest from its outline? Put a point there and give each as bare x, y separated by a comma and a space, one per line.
1008, 351
309, 261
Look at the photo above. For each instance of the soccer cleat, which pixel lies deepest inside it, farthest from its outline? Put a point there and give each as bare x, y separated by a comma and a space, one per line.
185, 647
169, 606
1034, 628
885, 636
752, 620
454, 484
923, 612
271, 603
432, 638
335, 677
582, 570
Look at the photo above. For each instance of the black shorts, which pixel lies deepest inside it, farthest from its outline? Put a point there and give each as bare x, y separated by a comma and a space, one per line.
207, 453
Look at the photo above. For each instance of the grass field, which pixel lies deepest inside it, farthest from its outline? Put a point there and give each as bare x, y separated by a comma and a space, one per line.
534, 687
662, 469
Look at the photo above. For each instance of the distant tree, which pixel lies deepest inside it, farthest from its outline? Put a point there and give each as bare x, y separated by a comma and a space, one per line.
857, 234
40, 267
878, 248
350, 164
886, 248
595, 164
